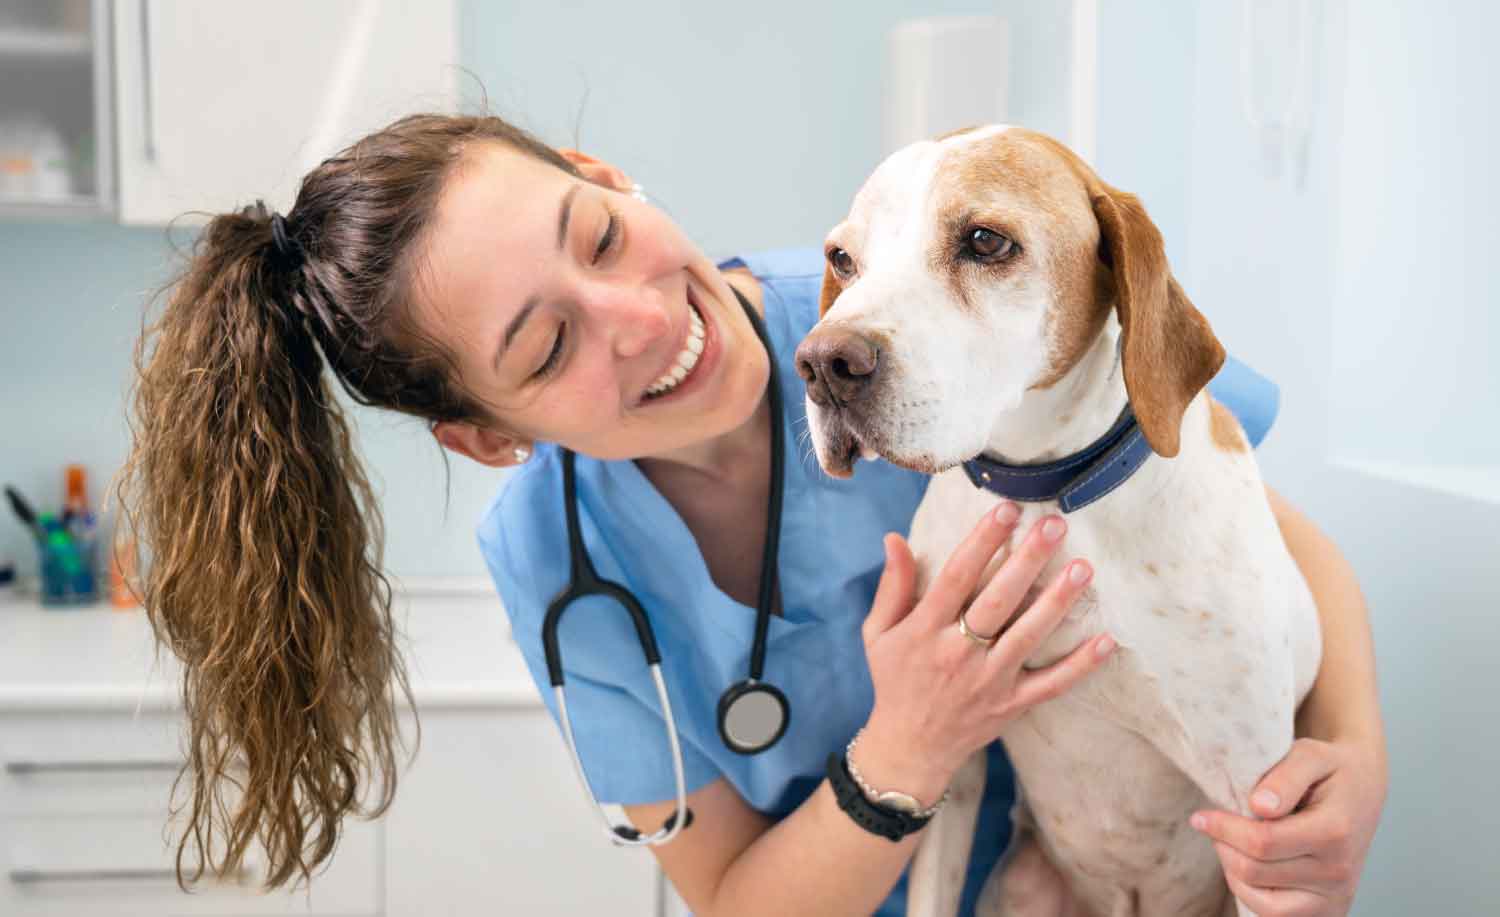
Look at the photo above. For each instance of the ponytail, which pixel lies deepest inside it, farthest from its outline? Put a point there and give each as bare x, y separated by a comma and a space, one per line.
262, 536
265, 576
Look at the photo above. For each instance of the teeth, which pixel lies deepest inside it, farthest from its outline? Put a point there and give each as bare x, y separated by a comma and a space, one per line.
868, 454
686, 360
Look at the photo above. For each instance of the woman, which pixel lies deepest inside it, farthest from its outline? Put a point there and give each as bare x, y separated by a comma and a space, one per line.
521, 300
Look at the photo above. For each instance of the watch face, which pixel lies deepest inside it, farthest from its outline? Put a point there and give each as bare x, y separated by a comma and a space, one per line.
899, 801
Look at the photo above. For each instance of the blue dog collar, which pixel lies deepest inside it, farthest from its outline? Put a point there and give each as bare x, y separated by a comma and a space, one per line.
1075, 481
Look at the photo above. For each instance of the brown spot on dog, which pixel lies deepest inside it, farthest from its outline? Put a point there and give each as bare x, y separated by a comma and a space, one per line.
1205, 616
1012, 183
1095, 248
1151, 569
1225, 428
830, 291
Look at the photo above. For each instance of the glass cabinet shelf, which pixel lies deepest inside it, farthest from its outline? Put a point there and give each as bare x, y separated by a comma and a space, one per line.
56, 122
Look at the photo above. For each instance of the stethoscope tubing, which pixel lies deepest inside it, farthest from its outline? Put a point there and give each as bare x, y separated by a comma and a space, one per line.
680, 818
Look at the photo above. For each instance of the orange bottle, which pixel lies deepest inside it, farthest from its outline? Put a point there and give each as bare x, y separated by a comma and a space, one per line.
123, 563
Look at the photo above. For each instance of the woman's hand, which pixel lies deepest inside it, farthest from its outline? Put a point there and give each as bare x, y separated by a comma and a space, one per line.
1321, 804
940, 695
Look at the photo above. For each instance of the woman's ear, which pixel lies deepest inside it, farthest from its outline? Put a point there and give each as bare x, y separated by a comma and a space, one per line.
482, 444
598, 171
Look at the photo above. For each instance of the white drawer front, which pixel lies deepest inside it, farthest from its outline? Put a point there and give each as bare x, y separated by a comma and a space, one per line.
75, 866
84, 828
87, 763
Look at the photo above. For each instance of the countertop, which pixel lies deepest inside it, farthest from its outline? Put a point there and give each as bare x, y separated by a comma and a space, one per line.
456, 644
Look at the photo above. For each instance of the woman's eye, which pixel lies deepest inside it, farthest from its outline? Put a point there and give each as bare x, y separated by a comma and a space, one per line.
550, 364
607, 239
988, 245
841, 261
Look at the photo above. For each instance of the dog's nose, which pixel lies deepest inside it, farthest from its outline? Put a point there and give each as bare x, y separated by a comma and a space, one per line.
837, 364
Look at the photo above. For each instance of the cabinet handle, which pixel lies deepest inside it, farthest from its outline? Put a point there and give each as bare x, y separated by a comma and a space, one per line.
87, 767
147, 112
30, 876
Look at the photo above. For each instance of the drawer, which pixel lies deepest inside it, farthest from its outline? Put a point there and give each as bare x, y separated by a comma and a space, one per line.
84, 828
120, 865
87, 762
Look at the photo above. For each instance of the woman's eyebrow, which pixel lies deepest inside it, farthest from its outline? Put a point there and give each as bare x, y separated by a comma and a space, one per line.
513, 327
564, 214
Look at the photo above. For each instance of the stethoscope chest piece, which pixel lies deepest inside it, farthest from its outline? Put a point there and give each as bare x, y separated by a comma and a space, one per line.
753, 715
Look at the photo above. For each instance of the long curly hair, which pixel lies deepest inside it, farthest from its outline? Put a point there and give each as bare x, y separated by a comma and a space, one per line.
244, 491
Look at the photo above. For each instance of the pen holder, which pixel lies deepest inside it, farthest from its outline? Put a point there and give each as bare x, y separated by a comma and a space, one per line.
68, 572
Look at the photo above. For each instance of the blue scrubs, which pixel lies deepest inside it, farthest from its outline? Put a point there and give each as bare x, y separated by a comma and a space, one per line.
830, 560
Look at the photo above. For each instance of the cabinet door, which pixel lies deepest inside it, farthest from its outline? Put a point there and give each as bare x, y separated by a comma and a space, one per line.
489, 820
223, 103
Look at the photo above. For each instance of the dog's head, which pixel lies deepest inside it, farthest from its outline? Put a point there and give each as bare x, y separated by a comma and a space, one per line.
972, 270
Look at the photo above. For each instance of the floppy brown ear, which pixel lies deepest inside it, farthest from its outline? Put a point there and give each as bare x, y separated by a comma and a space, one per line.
1170, 352
830, 291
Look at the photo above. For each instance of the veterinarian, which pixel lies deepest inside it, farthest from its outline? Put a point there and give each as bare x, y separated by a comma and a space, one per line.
530, 305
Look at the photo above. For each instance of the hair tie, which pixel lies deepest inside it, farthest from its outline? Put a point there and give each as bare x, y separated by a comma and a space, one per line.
288, 250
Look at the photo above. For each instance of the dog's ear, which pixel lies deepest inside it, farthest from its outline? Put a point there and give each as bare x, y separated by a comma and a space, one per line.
1170, 352
830, 292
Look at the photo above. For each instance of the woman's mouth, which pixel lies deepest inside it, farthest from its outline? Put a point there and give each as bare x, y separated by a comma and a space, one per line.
686, 360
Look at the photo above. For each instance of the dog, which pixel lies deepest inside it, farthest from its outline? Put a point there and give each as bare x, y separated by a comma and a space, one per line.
990, 298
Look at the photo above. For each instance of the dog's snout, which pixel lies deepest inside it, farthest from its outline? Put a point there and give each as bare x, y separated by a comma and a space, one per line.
837, 364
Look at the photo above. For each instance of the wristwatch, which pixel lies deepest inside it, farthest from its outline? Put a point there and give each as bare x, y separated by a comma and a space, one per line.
891, 814
895, 799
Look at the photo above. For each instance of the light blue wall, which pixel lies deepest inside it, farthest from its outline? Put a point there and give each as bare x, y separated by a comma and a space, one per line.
753, 126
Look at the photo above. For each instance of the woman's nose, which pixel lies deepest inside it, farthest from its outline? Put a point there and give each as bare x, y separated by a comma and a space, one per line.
635, 316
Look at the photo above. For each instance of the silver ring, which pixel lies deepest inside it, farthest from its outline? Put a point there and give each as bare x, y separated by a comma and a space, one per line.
981, 639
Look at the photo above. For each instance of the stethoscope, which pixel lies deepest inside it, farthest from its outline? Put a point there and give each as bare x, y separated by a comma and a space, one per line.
753, 714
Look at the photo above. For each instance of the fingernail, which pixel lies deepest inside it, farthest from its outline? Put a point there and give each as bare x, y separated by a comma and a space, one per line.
1198, 821
1105, 646
1266, 799
1079, 573
1053, 529
1007, 512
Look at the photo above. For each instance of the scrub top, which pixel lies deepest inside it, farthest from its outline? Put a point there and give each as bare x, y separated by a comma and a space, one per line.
830, 559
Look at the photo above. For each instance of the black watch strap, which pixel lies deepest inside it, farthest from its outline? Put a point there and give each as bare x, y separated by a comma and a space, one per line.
889, 823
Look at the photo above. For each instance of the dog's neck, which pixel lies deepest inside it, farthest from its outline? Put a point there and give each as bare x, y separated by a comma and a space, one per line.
1063, 418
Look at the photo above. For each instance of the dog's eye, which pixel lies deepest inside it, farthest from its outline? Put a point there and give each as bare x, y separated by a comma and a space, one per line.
988, 245
841, 261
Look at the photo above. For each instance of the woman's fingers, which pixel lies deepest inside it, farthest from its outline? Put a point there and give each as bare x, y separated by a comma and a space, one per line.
1046, 683
1005, 591
960, 574
1038, 622
895, 592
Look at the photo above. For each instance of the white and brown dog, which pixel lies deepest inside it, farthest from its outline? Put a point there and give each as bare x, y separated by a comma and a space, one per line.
990, 296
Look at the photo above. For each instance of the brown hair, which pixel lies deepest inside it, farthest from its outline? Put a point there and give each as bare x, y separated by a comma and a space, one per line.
244, 489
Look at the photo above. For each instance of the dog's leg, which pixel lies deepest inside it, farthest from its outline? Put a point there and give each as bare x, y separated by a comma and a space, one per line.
936, 881
1026, 884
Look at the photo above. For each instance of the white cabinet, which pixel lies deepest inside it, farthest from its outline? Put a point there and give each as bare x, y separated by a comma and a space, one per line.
83, 803
222, 103
488, 819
